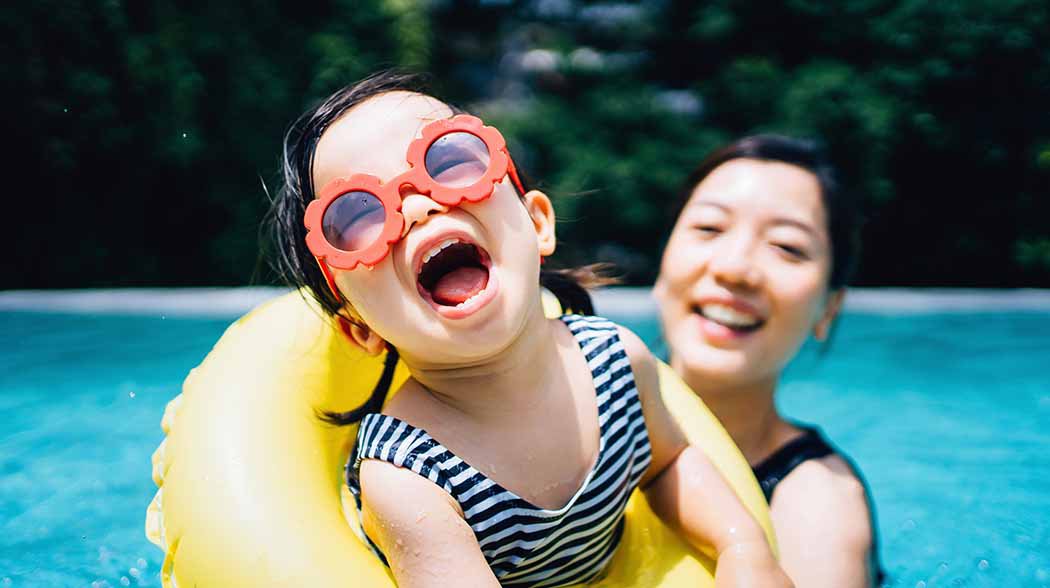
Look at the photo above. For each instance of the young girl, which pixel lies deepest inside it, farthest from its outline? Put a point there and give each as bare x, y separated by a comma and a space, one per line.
509, 455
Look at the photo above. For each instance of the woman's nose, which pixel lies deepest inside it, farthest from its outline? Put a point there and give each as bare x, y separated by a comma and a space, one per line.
417, 209
733, 265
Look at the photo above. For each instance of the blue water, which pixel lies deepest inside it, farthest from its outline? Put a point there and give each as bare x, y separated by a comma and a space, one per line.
947, 415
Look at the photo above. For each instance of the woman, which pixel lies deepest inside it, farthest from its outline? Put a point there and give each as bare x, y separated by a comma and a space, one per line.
757, 261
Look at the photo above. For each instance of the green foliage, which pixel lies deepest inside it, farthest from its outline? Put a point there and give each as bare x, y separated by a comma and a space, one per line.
146, 129
1034, 254
143, 131
935, 113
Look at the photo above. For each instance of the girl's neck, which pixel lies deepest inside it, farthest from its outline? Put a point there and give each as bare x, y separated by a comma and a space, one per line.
746, 410
504, 384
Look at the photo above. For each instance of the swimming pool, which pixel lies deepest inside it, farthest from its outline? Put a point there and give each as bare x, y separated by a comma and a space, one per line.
947, 413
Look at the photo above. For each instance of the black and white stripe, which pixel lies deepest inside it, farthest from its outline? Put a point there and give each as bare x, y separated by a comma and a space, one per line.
526, 545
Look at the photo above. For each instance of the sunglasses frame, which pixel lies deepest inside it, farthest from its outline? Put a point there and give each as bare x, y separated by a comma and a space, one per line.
389, 193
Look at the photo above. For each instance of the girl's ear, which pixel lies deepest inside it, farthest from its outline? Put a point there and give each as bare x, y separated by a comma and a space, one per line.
361, 335
542, 213
831, 310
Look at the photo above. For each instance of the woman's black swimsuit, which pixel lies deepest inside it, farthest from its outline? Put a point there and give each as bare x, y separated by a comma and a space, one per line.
812, 445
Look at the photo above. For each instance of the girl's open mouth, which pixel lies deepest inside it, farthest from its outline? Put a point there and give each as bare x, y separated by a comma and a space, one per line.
455, 277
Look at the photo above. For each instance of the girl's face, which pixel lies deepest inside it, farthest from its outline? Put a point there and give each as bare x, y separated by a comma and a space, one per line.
459, 285
744, 275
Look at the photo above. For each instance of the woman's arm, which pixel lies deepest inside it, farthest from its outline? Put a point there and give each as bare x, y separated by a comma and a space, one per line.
688, 492
420, 529
820, 513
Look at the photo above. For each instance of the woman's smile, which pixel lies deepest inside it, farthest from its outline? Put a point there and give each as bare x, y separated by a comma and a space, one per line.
734, 303
726, 321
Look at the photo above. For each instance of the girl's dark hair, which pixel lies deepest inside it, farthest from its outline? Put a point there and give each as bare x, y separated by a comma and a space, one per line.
843, 216
296, 266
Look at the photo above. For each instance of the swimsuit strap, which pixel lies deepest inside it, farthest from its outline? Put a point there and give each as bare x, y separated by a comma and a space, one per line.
772, 470
812, 445
526, 545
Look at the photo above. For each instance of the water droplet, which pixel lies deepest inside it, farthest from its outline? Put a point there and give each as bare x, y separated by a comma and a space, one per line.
184, 135
920, 584
908, 525
134, 573
141, 563
943, 567
124, 581
131, 394
982, 565
65, 110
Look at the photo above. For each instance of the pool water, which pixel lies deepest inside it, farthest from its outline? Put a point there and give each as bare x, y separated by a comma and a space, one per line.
948, 415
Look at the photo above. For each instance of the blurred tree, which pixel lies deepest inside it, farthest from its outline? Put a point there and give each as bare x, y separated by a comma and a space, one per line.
142, 131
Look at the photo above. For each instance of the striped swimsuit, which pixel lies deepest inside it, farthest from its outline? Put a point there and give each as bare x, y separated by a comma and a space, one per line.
523, 544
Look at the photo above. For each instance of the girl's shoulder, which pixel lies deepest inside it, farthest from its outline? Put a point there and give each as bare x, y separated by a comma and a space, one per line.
589, 328
585, 327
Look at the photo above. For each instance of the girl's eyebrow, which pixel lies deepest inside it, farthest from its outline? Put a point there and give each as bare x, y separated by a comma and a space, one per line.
430, 117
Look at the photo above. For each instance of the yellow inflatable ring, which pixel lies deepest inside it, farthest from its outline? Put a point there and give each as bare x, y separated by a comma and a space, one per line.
251, 489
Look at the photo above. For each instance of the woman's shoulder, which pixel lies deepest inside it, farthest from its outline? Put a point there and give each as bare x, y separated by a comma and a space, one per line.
823, 499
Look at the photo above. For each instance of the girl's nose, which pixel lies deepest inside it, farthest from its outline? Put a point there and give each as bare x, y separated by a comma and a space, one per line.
417, 209
733, 265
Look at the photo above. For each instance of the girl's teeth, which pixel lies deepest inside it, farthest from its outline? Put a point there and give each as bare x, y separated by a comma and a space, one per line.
430, 254
727, 316
468, 301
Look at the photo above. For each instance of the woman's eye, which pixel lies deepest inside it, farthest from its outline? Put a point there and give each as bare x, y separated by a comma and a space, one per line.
791, 250
708, 229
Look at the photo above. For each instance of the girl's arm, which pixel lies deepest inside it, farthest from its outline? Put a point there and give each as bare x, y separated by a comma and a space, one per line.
688, 492
420, 530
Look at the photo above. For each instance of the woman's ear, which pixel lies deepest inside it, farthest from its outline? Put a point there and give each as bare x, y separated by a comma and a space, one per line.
831, 310
542, 213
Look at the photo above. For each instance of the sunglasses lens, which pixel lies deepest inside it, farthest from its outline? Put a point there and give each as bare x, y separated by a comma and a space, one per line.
353, 221
457, 160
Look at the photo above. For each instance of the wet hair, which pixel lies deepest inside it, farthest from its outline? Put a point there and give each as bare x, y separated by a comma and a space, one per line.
296, 266
844, 220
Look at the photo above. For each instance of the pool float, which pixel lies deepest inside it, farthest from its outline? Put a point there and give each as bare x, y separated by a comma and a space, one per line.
250, 480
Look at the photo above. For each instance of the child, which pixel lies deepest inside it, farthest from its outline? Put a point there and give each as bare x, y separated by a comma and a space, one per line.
509, 455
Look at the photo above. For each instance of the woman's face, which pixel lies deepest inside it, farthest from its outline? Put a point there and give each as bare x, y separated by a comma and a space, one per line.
458, 285
744, 277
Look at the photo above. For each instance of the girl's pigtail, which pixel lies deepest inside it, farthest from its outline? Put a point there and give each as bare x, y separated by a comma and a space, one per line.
374, 404
570, 285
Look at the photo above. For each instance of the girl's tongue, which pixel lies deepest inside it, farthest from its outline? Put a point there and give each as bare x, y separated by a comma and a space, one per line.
458, 285
455, 273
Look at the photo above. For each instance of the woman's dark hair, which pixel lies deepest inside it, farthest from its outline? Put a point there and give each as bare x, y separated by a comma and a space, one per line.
296, 266
843, 216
